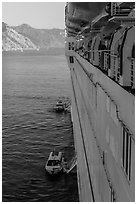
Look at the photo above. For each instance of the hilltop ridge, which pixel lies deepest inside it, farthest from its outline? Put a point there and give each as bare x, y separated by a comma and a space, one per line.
24, 37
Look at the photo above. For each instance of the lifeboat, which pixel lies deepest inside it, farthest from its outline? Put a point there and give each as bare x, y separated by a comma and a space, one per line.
60, 106
55, 163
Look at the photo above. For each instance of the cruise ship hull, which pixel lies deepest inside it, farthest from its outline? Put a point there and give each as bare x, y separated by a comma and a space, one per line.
100, 107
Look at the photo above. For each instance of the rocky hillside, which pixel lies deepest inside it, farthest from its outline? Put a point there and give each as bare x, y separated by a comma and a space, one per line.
43, 38
12, 40
24, 37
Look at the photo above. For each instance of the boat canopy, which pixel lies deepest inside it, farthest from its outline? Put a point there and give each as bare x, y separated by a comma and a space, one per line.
57, 156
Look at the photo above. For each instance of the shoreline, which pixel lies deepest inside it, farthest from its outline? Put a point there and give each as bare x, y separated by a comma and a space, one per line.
41, 52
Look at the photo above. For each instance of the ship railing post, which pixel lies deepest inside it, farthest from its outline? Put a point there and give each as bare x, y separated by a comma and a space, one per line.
132, 72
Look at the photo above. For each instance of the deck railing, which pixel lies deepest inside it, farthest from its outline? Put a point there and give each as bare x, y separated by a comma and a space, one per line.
117, 10
110, 64
132, 72
112, 61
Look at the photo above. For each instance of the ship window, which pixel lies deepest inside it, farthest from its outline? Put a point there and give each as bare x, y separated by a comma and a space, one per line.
69, 46
113, 195
71, 59
126, 154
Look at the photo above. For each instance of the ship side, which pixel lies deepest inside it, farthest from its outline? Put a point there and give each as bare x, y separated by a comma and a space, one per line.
100, 46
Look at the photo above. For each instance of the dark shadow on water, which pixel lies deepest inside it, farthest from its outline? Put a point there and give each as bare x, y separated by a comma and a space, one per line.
51, 110
60, 175
52, 177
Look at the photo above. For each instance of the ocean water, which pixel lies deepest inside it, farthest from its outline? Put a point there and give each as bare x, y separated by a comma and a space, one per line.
31, 129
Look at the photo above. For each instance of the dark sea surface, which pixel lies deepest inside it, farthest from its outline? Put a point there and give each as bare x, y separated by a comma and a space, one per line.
31, 129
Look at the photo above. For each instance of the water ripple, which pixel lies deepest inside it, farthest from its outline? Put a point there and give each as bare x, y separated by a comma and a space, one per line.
31, 130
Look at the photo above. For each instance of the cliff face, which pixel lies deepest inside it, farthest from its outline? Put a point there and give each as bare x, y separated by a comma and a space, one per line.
24, 37
12, 40
43, 38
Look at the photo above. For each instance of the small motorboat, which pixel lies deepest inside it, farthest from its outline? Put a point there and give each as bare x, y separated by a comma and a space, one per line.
60, 106
55, 163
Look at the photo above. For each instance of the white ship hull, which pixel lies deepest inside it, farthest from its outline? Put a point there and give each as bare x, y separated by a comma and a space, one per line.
97, 111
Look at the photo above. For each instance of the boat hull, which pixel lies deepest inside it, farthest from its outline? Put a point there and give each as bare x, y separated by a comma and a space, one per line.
60, 110
54, 172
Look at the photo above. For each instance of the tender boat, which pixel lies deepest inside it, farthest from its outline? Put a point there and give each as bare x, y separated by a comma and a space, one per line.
60, 106
55, 163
